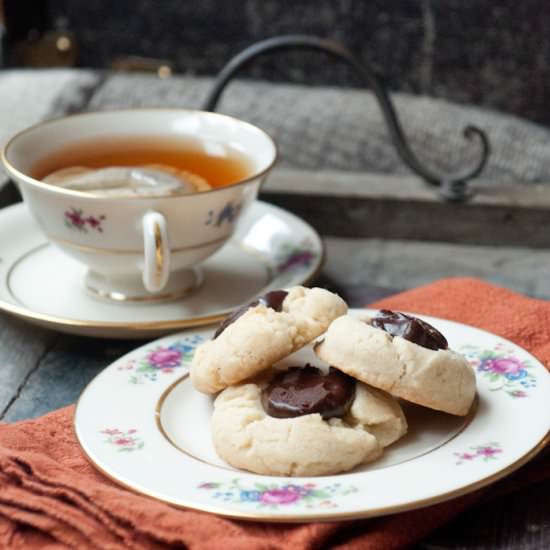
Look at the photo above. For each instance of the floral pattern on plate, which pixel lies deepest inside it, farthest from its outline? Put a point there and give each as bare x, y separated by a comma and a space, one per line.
277, 495
125, 441
503, 433
292, 256
503, 370
161, 360
484, 452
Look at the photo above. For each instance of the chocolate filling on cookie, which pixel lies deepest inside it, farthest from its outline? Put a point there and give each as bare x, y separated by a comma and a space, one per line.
300, 391
410, 328
273, 300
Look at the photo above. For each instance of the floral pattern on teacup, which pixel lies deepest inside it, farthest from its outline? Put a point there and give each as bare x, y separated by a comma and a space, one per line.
125, 441
228, 214
502, 369
75, 219
279, 495
161, 360
486, 453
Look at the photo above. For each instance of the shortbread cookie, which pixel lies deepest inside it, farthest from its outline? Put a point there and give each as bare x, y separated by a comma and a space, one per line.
437, 378
247, 436
378, 413
256, 337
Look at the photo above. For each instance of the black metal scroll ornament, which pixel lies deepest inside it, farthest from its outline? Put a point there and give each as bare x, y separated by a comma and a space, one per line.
452, 187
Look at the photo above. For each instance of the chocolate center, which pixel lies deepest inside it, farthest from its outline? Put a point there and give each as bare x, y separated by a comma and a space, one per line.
410, 328
273, 300
299, 391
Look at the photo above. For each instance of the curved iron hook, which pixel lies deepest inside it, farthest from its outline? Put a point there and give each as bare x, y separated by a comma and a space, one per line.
453, 187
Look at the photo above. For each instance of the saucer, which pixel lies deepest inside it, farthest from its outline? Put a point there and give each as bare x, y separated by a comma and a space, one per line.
270, 249
142, 424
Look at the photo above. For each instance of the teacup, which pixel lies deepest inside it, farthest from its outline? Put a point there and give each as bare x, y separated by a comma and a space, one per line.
140, 247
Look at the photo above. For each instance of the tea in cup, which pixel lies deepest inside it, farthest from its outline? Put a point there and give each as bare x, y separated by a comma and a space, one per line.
140, 196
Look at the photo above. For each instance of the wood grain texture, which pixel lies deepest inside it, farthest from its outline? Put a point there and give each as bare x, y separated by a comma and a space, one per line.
387, 207
41, 370
22, 347
518, 521
59, 374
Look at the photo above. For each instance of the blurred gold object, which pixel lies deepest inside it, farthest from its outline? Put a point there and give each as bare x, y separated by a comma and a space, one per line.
162, 67
51, 49
63, 43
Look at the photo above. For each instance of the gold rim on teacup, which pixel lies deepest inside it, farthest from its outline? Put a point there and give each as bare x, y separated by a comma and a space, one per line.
172, 234
17, 174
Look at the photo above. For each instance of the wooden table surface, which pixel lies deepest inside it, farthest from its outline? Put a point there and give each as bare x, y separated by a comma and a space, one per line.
42, 370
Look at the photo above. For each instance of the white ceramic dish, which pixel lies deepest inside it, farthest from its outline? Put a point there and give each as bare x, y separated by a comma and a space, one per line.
142, 424
140, 246
271, 248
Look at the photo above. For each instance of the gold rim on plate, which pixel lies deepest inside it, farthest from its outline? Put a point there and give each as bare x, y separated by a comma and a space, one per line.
182, 502
329, 516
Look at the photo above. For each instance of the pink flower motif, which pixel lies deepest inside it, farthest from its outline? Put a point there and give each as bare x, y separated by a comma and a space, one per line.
75, 217
504, 365
164, 358
518, 393
488, 451
286, 495
466, 456
208, 485
128, 366
95, 223
124, 440
303, 257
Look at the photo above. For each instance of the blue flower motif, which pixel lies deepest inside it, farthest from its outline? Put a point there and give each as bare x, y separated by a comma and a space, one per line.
250, 496
522, 373
186, 346
181, 347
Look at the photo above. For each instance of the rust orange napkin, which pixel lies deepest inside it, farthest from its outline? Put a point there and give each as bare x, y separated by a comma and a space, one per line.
51, 497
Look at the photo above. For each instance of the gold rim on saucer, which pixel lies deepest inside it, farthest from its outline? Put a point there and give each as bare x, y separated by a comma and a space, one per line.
145, 327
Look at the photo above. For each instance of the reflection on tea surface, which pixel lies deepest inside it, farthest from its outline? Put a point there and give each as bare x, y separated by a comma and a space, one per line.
143, 166
153, 180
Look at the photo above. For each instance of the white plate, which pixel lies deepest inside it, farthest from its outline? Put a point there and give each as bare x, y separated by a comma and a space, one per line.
143, 425
271, 248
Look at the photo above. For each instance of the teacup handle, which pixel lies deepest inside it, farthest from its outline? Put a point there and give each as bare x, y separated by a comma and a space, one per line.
156, 250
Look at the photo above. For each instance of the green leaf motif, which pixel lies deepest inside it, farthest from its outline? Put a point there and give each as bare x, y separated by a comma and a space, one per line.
318, 493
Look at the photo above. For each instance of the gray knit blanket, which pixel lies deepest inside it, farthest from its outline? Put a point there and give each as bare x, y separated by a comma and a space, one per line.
316, 128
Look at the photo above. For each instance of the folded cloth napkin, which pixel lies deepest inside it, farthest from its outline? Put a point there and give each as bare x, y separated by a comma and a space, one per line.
51, 497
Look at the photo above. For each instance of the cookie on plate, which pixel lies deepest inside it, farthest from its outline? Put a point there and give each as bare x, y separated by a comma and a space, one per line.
260, 334
379, 413
304, 422
404, 356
